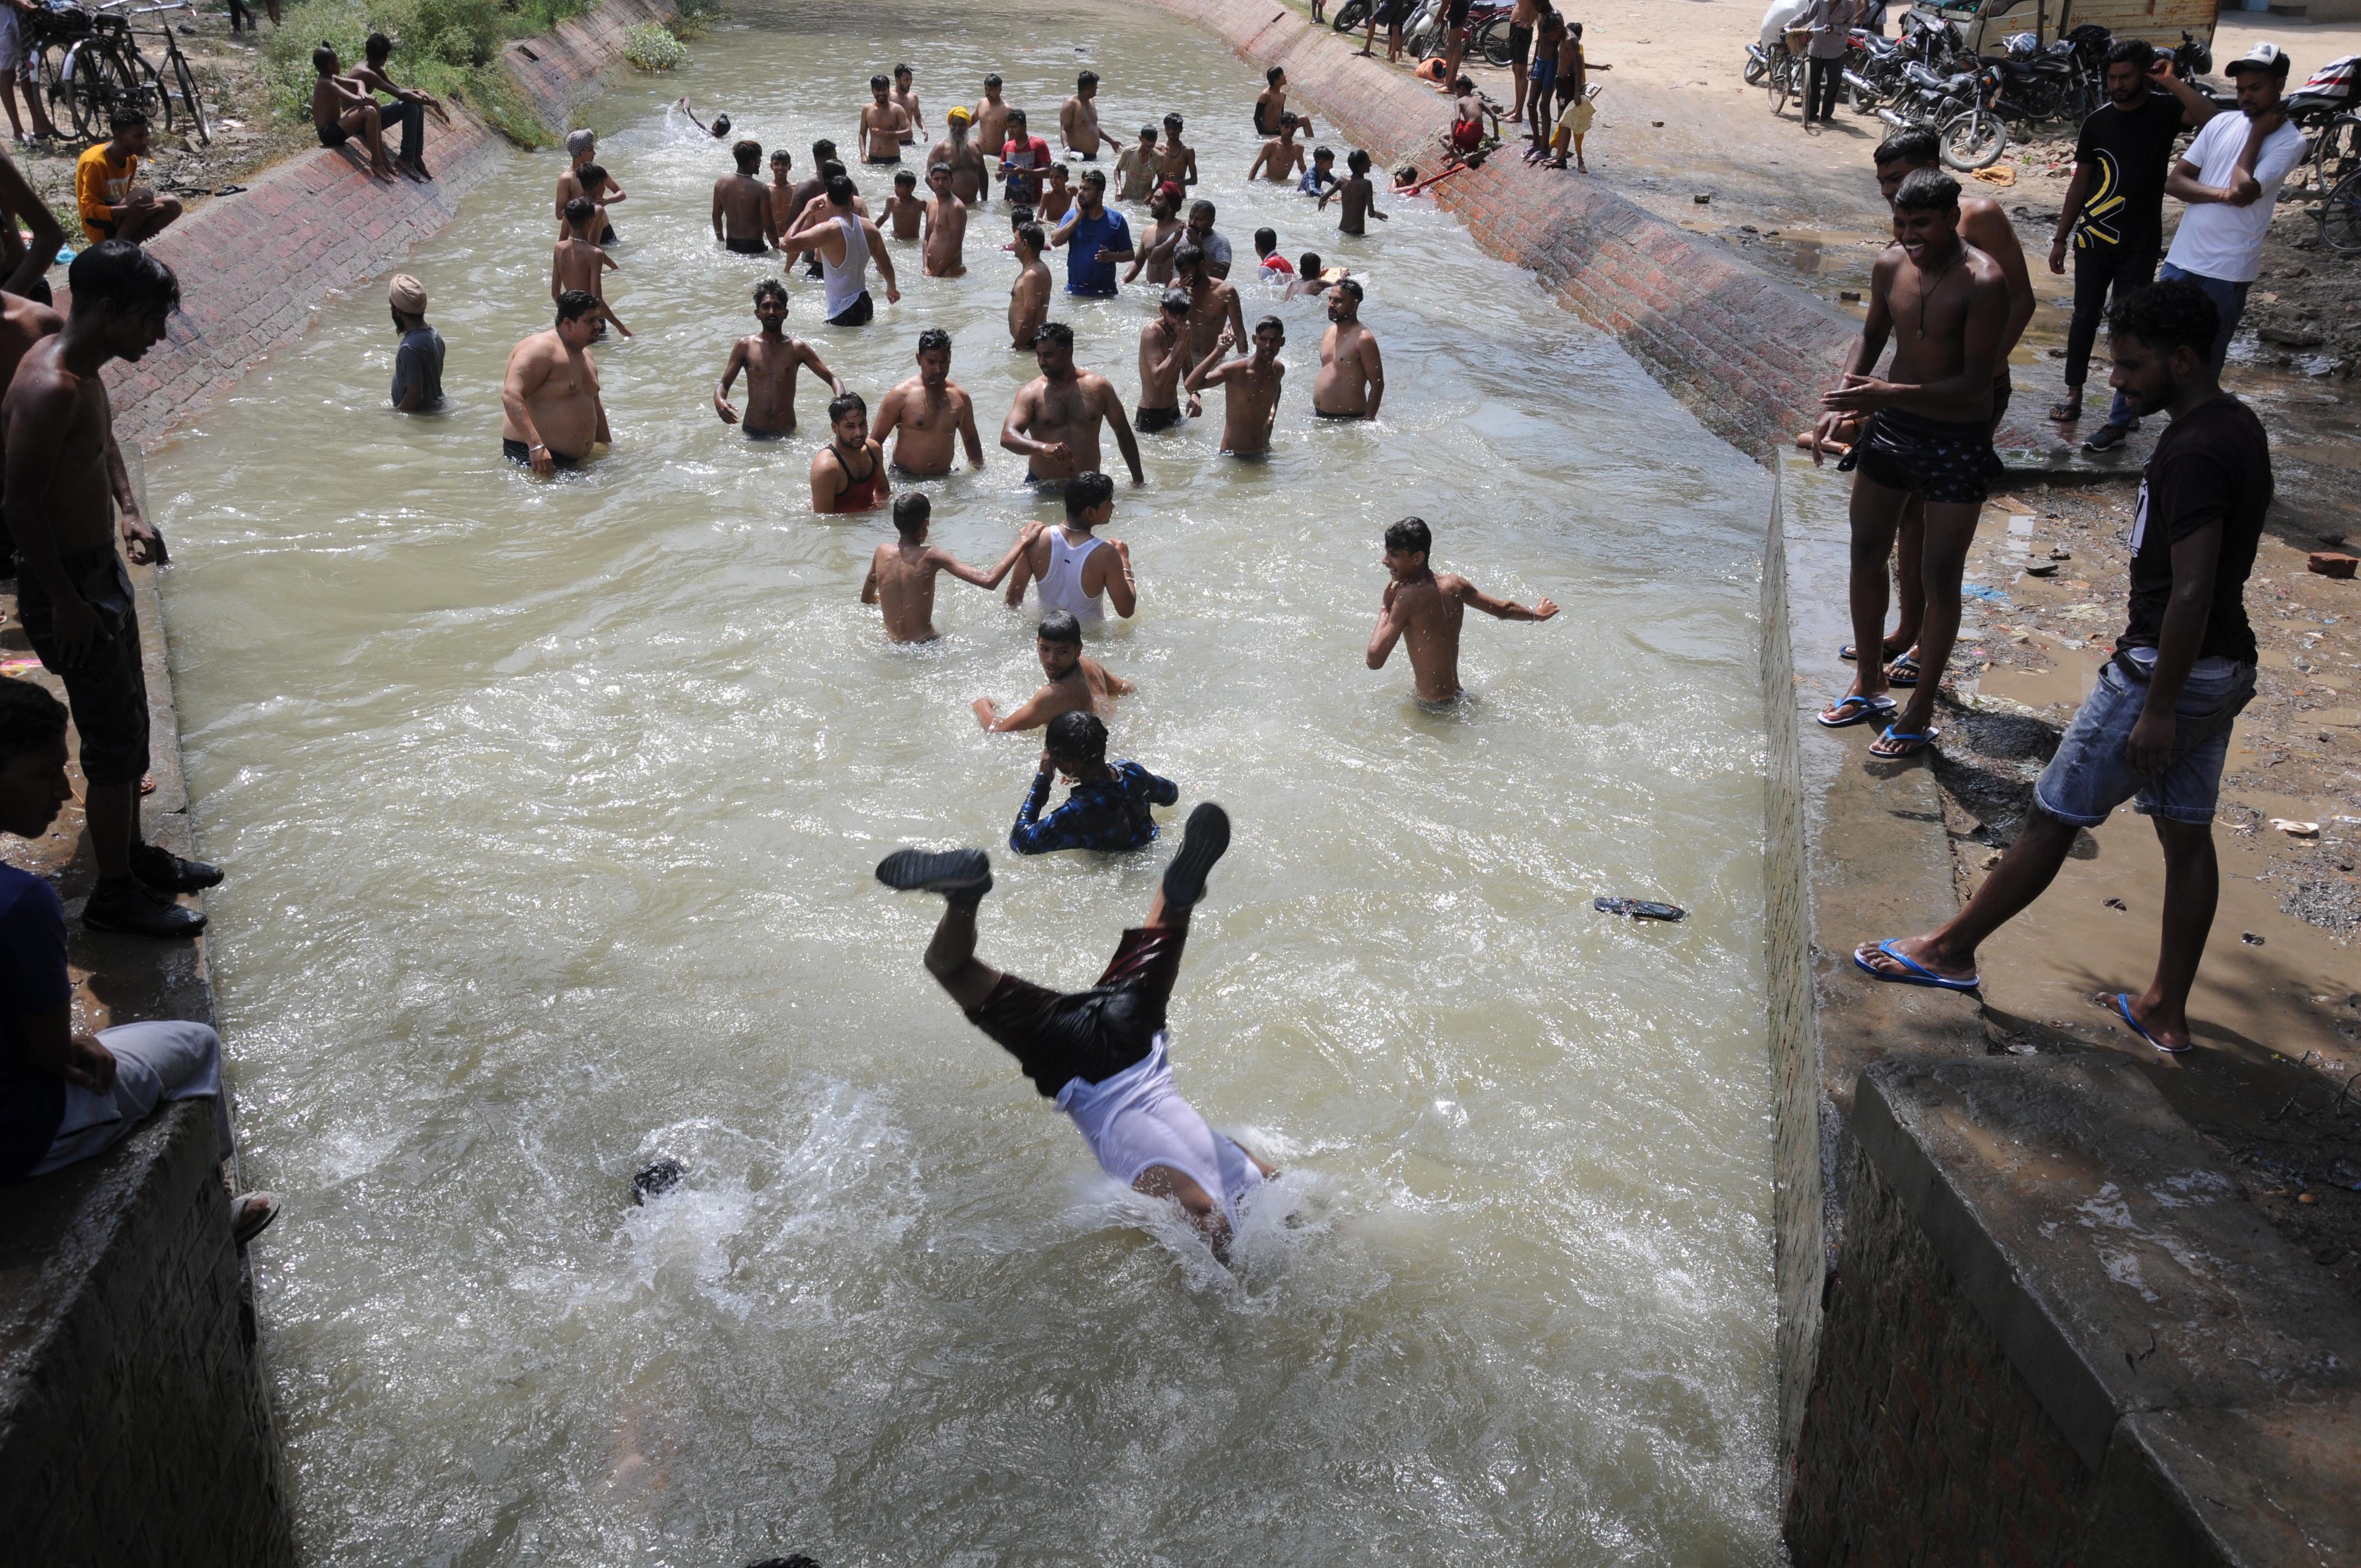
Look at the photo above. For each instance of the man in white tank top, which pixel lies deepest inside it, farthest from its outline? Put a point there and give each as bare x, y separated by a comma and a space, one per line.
846, 243
1077, 570
1100, 1053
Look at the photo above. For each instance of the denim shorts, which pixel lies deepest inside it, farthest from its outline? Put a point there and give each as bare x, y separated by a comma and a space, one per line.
2092, 774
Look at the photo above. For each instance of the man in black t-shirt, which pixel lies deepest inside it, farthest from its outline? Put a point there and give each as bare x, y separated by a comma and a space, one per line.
2114, 215
2158, 725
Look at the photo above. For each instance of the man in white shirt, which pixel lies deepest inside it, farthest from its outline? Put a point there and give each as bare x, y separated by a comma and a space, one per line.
2230, 178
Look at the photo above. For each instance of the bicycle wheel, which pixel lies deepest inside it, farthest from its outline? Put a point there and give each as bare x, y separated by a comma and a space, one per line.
148, 91
2340, 216
1781, 82
187, 86
1973, 140
1494, 41
90, 91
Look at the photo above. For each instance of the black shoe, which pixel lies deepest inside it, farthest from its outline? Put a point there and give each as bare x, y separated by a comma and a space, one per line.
126, 906
167, 873
1202, 843
2107, 437
964, 876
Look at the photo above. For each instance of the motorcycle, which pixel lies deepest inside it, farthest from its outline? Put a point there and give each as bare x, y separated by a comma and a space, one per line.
1958, 108
1876, 68
2042, 82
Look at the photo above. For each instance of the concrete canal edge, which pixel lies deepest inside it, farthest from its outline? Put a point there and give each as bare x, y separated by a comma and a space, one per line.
134, 1420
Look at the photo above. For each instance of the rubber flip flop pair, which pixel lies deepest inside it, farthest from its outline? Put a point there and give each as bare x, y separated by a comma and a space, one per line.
1855, 709
2121, 1004
1900, 669
1913, 972
1912, 741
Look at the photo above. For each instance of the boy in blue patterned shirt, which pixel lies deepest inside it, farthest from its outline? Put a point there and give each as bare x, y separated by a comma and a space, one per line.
1106, 808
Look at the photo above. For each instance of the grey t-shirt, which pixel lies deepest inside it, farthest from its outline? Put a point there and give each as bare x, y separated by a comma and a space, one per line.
1216, 248
419, 363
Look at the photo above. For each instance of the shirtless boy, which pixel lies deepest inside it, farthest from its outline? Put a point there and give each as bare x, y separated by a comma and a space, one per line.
1352, 379
585, 176
1180, 158
991, 126
742, 204
902, 573
1249, 386
341, 109
1358, 195
905, 98
849, 473
1280, 160
1163, 355
957, 152
1429, 609
779, 206
1079, 572
1054, 423
1270, 105
905, 213
1930, 433
1077, 683
1152, 252
551, 416
809, 189
883, 125
1211, 303
1057, 197
946, 227
1138, 170
1028, 297
1078, 121
576, 263
771, 359
929, 414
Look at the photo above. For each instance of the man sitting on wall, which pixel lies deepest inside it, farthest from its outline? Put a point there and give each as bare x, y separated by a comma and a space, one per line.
114, 204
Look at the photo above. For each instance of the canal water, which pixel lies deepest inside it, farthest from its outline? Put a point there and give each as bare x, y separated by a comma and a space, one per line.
549, 810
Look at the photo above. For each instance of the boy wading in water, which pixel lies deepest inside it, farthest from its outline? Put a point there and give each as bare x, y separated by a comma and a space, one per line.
1249, 386
930, 414
1358, 195
902, 575
576, 263
769, 358
1101, 1054
1428, 608
1078, 571
849, 473
1077, 683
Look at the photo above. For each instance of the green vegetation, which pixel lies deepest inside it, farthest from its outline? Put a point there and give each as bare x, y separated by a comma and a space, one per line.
451, 48
651, 47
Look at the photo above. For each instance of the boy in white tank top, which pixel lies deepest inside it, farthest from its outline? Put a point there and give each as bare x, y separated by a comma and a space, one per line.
1100, 1053
1078, 571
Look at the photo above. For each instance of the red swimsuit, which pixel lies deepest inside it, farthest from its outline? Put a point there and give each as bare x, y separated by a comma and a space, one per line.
858, 495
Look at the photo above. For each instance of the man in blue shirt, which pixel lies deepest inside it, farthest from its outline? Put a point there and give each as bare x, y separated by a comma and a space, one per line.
1107, 809
1095, 237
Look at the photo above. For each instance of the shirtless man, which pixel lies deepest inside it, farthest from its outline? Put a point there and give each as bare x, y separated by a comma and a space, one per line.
812, 188
1054, 423
1079, 572
576, 263
903, 212
1152, 252
1163, 355
819, 208
946, 230
1270, 106
846, 243
1180, 158
585, 176
341, 109
771, 359
883, 125
1358, 195
1028, 297
742, 206
1430, 608
969, 182
1078, 121
1930, 433
905, 98
1250, 389
779, 207
902, 575
929, 414
551, 417
1138, 170
1077, 683
1280, 160
990, 128
849, 473
1352, 379
64, 480
1211, 303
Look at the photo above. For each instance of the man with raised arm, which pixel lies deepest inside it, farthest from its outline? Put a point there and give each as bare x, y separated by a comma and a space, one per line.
1352, 379
929, 414
771, 358
1250, 387
1054, 423
1079, 572
845, 243
1428, 609
551, 417
1212, 303
1163, 356
741, 205
63, 481
1100, 1054
1280, 160
901, 579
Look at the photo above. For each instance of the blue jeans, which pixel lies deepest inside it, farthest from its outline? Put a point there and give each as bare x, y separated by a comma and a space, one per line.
2092, 773
2229, 299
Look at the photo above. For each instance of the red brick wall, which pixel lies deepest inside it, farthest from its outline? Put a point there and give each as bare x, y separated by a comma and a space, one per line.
1747, 354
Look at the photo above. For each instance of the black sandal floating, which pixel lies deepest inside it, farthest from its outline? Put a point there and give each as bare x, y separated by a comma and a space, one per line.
960, 875
1639, 908
1202, 843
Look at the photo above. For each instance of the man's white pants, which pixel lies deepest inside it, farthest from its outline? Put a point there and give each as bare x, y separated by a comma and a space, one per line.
153, 1062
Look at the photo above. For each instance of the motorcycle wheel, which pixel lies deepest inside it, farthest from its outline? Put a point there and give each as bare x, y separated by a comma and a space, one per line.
1350, 15
1973, 140
1492, 41
1862, 104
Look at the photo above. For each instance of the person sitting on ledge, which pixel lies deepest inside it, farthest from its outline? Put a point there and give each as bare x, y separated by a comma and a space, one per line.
1107, 806
114, 204
343, 109
409, 108
66, 1096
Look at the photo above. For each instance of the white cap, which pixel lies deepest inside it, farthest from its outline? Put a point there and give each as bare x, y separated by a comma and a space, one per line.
2262, 57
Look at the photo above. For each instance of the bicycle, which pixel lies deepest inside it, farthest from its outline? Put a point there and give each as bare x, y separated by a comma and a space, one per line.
176, 73
1785, 79
2340, 216
105, 71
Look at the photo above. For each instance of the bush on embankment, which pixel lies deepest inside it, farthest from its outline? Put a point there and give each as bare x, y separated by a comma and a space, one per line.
451, 48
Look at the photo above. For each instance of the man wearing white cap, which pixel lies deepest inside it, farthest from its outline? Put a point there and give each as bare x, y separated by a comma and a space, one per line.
418, 363
2230, 178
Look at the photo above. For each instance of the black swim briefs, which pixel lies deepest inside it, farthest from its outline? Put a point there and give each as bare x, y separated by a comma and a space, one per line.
518, 452
746, 247
1147, 421
755, 433
1949, 462
1091, 1034
861, 312
108, 690
1319, 412
889, 158
332, 134
1520, 44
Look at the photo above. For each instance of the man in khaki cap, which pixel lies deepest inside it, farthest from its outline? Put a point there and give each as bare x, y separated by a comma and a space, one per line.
418, 363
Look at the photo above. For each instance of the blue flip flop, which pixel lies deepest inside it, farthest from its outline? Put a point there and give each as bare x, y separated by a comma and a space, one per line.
1917, 974
1856, 709
1918, 740
1849, 654
2122, 1003
1903, 672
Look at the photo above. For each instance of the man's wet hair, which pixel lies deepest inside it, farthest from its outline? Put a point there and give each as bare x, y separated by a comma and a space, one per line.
2136, 52
993, 80
376, 48
829, 168
911, 510
323, 59
1054, 332
1016, 117
1274, 324
1927, 191
904, 179
1186, 256
1087, 490
1352, 287
1019, 215
879, 83
1274, 75
1176, 298
844, 403
576, 304
822, 150
1916, 146
1288, 119
2168, 315
721, 126
1204, 207
934, 338
1055, 172
1358, 162
1060, 626
904, 71
1087, 79
1410, 536
1035, 240
1265, 241
118, 273
1320, 152
749, 153
840, 190
30, 718
578, 210
1307, 264
1077, 737
1172, 121
657, 1179
1094, 177
797, 1561
769, 287
781, 155
942, 169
